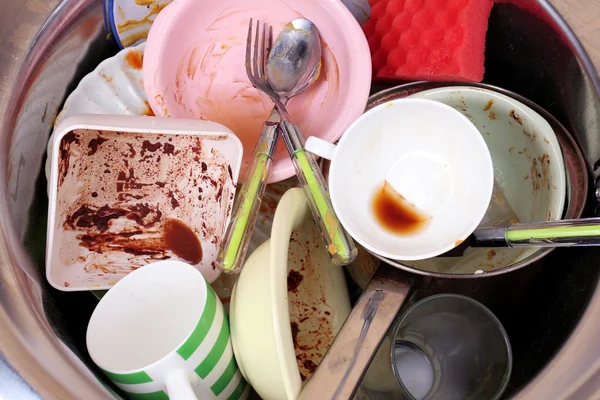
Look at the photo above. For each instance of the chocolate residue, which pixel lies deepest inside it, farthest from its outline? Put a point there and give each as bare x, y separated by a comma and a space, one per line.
491, 254
488, 105
295, 331
86, 217
516, 117
67, 141
308, 299
168, 148
293, 281
94, 143
182, 241
309, 365
174, 202
230, 172
151, 147
110, 229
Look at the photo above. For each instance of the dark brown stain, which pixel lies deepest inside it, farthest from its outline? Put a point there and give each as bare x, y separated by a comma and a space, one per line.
94, 144
182, 241
396, 214
294, 280
65, 154
168, 148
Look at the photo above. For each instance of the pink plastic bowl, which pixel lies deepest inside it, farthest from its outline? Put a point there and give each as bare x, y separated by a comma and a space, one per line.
194, 68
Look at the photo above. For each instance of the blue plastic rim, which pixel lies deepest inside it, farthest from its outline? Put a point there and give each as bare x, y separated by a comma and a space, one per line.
109, 21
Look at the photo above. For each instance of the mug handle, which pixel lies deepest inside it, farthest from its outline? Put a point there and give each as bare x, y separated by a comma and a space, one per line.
179, 386
320, 147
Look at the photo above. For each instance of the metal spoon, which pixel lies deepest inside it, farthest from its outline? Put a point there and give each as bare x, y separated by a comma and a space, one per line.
297, 52
237, 237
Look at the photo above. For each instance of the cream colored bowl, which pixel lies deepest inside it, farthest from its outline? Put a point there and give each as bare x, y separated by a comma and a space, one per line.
288, 280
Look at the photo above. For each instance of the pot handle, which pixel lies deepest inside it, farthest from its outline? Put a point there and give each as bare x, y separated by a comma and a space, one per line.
345, 363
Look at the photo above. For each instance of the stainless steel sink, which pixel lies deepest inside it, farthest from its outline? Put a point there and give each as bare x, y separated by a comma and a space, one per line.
551, 310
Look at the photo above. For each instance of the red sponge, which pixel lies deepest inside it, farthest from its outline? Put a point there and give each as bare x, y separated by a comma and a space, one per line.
431, 40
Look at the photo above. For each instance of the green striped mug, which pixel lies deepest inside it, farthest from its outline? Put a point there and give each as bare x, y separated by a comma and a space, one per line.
162, 333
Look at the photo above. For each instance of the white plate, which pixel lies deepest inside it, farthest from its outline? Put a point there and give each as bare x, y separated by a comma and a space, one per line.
115, 87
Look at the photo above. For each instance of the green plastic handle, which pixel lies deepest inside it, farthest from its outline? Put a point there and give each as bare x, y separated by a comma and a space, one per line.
239, 227
553, 233
325, 211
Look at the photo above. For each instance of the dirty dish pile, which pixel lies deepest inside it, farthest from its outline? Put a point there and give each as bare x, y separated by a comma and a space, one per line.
141, 204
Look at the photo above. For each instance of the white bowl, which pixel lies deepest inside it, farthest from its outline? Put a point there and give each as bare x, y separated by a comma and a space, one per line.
263, 307
528, 170
431, 154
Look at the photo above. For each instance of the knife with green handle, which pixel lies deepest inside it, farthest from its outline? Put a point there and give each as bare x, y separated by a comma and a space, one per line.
234, 247
561, 233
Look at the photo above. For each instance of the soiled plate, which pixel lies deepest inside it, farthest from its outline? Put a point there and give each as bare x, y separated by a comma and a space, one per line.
115, 87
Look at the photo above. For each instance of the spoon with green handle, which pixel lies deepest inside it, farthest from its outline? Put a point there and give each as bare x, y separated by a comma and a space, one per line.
235, 243
298, 52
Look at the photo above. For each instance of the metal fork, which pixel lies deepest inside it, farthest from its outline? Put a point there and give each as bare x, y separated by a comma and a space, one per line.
245, 211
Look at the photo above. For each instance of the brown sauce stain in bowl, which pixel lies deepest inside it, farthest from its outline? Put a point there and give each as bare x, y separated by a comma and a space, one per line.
396, 214
182, 241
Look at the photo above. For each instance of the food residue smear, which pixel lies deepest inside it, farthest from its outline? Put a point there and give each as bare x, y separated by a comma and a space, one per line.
134, 59
182, 241
395, 213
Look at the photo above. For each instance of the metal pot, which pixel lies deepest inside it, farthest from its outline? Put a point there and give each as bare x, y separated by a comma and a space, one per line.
47, 47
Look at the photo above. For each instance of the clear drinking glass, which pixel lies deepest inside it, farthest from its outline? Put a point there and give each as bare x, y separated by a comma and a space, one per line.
450, 347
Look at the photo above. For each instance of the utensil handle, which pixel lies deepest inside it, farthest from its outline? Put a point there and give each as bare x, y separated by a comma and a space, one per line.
234, 247
564, 233
339, 243
345, 363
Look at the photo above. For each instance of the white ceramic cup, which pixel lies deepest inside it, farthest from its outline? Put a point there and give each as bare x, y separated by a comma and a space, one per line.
162, 333
429, 153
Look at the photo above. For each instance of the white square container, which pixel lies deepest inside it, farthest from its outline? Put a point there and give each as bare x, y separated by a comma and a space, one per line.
126, 191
